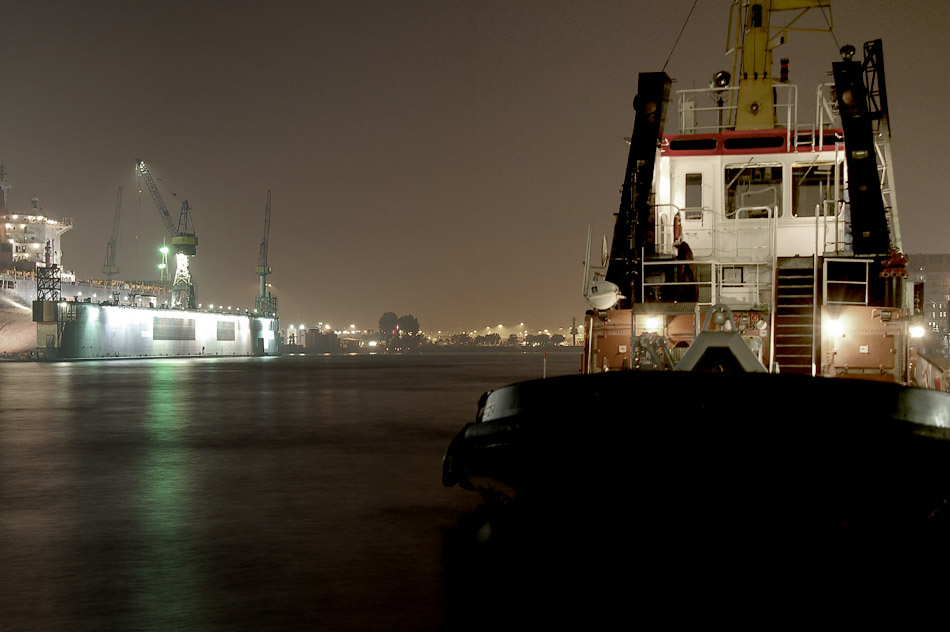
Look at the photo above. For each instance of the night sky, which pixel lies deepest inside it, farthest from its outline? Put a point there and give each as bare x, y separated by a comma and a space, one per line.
441, 159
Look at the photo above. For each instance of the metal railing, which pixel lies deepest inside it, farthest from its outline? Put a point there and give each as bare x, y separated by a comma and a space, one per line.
721, 114
709, 284
664, 232
734, 229
656, 287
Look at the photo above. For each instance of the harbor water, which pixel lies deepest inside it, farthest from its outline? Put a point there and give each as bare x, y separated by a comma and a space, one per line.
288, 493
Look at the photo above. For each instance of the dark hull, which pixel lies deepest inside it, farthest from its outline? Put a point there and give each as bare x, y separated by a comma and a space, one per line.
736, 450
694, 496
691, 496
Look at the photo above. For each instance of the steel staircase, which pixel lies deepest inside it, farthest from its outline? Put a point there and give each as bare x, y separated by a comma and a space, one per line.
795, 315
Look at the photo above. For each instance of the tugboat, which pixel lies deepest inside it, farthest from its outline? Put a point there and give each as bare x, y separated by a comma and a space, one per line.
792, 227
748, 355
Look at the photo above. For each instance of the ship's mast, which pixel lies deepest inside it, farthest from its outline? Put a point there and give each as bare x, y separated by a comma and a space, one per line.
756, 100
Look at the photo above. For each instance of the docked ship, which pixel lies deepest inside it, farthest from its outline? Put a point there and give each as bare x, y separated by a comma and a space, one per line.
47, 313
749, 349
31, 242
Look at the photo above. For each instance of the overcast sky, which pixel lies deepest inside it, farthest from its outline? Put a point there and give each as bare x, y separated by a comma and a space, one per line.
441, 158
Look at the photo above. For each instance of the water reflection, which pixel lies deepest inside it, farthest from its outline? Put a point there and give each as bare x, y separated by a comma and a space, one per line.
233, 494
167, 576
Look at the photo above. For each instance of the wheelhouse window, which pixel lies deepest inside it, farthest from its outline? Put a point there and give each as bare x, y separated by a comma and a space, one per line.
694, 196
753, 191
812, 186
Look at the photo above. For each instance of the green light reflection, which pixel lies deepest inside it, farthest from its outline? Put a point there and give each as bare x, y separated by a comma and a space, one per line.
168, 582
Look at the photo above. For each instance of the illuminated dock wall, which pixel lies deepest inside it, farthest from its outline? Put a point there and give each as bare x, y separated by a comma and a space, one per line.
102, 331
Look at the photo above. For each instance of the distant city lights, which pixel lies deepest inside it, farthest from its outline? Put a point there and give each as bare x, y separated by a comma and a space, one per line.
494, 334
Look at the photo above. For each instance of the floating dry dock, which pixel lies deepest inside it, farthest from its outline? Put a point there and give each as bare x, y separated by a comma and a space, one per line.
71, 331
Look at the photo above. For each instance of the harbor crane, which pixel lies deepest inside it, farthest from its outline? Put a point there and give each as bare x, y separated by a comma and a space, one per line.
184, 242
109, 268
265, 303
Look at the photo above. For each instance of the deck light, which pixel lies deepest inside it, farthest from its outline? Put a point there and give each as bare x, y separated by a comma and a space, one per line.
721, 79
835, 328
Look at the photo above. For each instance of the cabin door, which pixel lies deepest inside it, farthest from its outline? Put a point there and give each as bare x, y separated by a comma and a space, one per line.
809, 225
693, 192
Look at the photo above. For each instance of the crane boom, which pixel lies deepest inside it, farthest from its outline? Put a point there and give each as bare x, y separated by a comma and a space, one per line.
183, 240
109, 268
118, 211
265, 303
157, 198
262, 260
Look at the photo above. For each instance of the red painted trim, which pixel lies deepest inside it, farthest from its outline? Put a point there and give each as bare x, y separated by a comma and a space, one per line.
731, 135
